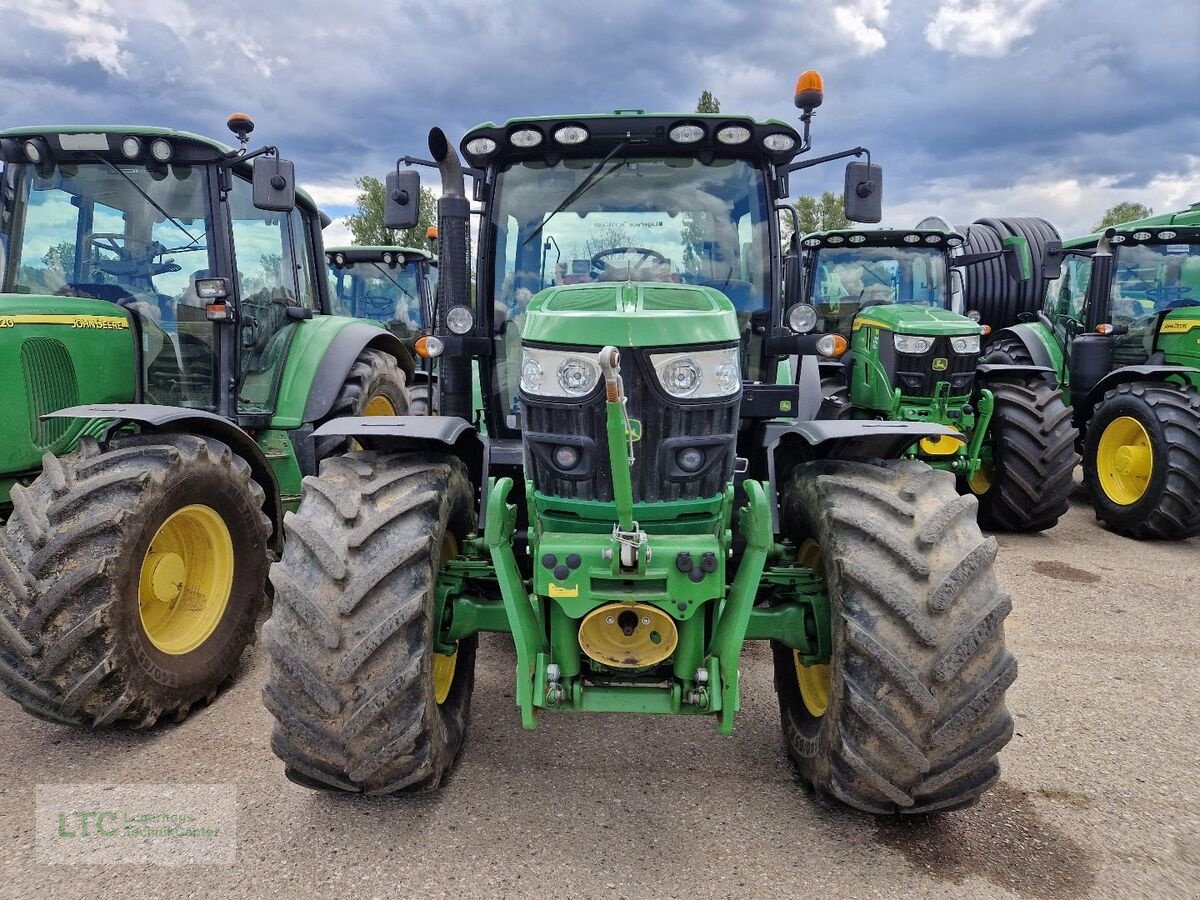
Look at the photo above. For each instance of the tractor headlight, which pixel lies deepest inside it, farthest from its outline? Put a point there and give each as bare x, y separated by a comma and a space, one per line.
968, 344
574, 374
910, 343
699, 374
459, 320
802, 318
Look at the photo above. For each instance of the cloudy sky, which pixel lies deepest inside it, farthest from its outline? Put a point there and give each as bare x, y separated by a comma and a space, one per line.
1057, 108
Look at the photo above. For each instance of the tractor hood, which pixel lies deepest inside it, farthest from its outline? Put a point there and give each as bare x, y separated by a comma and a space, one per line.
631, 314
905, 318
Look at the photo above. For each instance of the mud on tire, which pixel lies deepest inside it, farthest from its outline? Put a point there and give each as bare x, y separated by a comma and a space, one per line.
73, 646
351, 636
919, 669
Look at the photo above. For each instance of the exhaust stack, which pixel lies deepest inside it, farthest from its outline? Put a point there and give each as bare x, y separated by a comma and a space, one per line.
454, 271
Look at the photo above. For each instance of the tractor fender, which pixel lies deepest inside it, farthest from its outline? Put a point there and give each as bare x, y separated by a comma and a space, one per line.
1124, 375
179, 420
787, 444
338, 359
445, 434
988, 371
1037, 349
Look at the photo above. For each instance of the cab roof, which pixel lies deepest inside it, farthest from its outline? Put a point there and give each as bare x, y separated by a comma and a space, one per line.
1185, 218
366, 253
190, 147
883, 237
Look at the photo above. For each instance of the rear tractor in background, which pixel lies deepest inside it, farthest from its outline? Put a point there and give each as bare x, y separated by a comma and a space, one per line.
396, 287
895, 298
654, 489
1121, 328
166, 352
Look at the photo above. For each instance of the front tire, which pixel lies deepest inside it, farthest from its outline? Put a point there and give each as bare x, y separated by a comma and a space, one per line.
1027, 484
1142, 460
362, 700
130, 580
374, 386
911, 715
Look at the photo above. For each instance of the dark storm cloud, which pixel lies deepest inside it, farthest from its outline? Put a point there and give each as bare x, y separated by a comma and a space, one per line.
1088, 93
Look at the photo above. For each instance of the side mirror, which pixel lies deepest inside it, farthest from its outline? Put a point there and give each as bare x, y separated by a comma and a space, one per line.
1052, 260
274, 184
402, 199
1018, 260
864, 192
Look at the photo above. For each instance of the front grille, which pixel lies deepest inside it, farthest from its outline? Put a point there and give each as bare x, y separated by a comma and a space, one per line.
917, 377
50, 384
667, 426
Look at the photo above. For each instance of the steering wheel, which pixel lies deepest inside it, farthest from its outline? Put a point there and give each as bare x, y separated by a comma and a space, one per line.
1167, 297
599, 265
376, 305
127, 263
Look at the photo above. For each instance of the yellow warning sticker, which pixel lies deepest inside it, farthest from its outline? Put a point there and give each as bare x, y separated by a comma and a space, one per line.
558, 590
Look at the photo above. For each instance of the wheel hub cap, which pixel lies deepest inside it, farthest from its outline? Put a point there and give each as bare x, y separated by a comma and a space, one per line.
1124, 461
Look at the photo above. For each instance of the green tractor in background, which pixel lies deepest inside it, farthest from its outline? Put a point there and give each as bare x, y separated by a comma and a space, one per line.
896, 297
166, 352
654, 490
394, 286
1121, 328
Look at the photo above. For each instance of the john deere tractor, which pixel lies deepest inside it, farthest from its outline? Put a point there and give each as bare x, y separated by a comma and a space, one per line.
653, 491
166, 352
896, 297
1121, 328
394, 286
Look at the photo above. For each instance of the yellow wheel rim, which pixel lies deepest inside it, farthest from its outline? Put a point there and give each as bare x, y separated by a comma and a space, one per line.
1124, 460
980, 481
186, 579
816, 682
379, 405
443, 665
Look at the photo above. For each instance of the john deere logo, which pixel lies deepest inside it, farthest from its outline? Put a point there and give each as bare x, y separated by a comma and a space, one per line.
634, 431
940, 364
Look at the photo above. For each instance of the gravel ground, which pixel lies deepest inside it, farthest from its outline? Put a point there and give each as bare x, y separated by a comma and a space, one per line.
1100, 795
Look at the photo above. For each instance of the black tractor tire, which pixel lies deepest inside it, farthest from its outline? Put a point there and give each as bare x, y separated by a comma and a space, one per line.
1033, 440
918, 670
351, 636
419, 398
74, 648
835, 398
1007, 351
374, 375
1170, 507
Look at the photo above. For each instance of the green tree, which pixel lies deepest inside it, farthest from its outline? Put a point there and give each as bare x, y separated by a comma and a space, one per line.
366, 225
824, 213
1125, 211
708, 103
61, 257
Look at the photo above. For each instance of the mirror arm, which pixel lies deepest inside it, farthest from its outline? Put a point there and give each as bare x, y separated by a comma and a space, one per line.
808, 163
237, 156
477, 174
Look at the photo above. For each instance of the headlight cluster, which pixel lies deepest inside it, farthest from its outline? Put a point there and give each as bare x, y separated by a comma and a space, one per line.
968, 344
557, 373
911, 343
699, 374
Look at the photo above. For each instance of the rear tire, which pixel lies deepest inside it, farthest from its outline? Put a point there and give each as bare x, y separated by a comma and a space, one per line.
1008, 351
351, 637
1169, 507
374, 386
914, 714
1031, 477
76, 647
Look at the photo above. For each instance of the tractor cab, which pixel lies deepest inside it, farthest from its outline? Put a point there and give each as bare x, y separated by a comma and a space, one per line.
190, 258
390, 285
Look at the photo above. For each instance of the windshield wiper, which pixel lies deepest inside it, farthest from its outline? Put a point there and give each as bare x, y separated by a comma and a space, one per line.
137, 187
396, 283
589, 180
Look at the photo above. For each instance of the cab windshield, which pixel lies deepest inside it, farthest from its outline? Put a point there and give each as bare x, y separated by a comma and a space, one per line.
1150, 279
850, 279
670, 219
374, 290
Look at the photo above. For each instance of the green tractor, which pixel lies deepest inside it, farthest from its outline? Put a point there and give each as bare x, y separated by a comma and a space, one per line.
394, 286
896, 297
653, 490
1121, 328
167, 351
